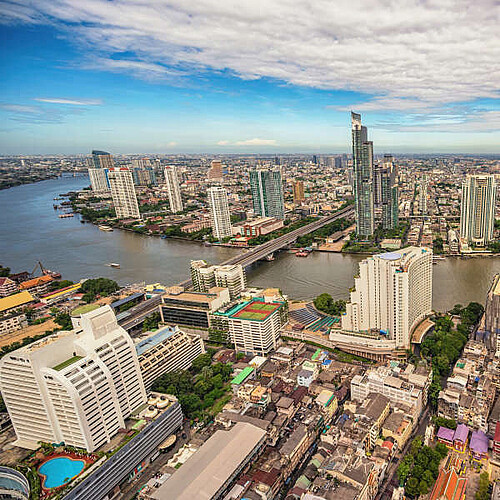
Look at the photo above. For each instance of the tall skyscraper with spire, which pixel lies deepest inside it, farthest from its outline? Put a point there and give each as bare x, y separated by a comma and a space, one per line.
362, 153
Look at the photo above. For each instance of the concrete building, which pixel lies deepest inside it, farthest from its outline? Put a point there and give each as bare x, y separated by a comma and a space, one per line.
259, 227
298, 192
210, 472
13, 484
7, 287
252, 326
362, 151
123, 193
220, 216
215, 173
192, 308
389, 200
491, 319
173, 189
144, 176
205, 276
99, 180
422, 195
477, 215
74, 386
392, 294
102, 159
166, 350
267, 192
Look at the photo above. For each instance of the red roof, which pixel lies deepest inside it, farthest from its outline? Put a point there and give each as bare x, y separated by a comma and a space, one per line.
497, 432
449, 486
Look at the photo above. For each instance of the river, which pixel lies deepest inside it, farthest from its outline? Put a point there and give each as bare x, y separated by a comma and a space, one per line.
31, 231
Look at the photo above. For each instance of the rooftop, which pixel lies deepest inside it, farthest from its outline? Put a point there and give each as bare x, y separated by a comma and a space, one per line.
253, 310
243, 375
66, 363
35, 282
84, 309
16, 300
207, 470
155, 339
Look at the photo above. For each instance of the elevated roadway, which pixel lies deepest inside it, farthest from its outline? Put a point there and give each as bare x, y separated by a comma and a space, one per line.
252, 255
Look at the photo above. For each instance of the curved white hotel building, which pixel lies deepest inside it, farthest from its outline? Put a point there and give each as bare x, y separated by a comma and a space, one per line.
392, 294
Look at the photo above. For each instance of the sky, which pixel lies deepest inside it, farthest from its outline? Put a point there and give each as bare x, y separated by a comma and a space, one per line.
248, 76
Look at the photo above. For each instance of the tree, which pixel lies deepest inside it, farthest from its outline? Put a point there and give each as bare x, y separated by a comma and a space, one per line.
151, 322
100, 286
412, 487
64, 321
4, 272
201, 361
482, 492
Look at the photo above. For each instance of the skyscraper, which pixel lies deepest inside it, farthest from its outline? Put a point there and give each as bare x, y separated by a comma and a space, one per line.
75, 386
477, 217
362, 151
219, 212
123, 193
422, 195
102, 159
231, 276
389, 199
267, 192
298, 192
215, 172
392, 293
99, 179
173, 189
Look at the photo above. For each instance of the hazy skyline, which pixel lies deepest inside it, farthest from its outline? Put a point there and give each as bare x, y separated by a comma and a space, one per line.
170, 76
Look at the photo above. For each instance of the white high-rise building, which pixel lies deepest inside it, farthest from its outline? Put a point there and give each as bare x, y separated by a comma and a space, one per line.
99, 179
123, 193
477, 217
219, 212
392, 293
204, 276
75, 386
173, 189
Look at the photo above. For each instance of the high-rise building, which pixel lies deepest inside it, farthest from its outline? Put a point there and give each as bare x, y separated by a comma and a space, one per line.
204, 277
362, 151
392, 294
215, 172
102, 159
144, 176
298, 192
76, 387
99, 179
389, 199
167, 350
123, 193
477, 217
173, 189
219, 212
422, 195
267, 192
142, 163
490, 324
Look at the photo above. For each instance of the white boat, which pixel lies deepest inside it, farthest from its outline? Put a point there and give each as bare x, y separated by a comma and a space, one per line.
114, 264
105, 228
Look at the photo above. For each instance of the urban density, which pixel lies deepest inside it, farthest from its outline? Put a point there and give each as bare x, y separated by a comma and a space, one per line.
227, 158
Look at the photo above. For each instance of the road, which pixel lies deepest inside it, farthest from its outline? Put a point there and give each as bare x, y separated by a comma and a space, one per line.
138, 313
259, 252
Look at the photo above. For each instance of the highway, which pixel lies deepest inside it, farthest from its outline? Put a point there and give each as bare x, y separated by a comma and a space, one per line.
260, 252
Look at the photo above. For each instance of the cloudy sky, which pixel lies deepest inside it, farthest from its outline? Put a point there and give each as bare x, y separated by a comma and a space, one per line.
176, 76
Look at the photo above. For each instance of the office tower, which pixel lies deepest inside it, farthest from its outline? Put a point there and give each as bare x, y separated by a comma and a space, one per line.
142, 163
167, 350
254, 327
298, 192
173, 189
267, 193
204, 276
144, 176
123, 193
215, 172
337, 162
315, 159
102, 159
219, 212
491, 327
392, 293
362, 151
422, 195
477, 217
76, 387
99, 179
389, 199
277, 160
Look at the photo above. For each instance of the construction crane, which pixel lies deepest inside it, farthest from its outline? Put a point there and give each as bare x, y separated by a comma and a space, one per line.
44, 271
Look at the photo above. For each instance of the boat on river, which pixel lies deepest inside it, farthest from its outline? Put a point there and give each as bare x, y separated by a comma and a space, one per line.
103, 227
114, 264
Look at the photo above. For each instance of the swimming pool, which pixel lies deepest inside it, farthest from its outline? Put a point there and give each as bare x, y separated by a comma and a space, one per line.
60, 470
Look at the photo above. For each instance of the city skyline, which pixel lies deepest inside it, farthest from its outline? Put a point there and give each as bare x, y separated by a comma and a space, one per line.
128, 77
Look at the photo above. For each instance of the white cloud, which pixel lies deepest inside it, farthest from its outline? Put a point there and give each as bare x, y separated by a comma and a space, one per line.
74, 102
171, 144
256, 142
222, 143
412, 54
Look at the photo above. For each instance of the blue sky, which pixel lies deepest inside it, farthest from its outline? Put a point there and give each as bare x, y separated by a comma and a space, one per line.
142, 77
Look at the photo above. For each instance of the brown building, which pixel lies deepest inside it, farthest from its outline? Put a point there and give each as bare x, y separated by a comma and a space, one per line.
298, 192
